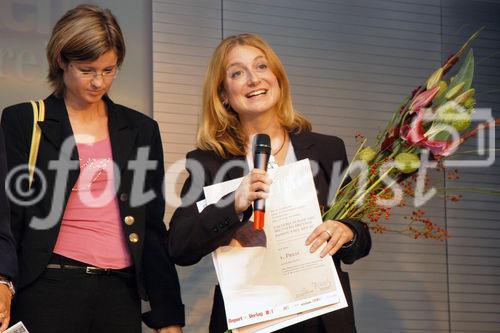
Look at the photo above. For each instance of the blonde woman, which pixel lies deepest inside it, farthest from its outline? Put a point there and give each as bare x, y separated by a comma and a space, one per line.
87, 253
246, 91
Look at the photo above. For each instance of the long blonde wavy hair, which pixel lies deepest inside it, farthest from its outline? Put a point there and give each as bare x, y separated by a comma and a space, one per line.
220, 128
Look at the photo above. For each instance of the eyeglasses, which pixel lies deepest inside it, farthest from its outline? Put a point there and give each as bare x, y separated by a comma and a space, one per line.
88, 75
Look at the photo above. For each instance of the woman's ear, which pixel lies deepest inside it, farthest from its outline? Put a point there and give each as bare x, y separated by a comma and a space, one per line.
223, 98
62, 65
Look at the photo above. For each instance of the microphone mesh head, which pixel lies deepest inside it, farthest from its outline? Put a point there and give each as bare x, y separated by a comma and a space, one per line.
262, 144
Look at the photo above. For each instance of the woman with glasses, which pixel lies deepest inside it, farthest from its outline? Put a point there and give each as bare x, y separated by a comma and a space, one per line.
85, 267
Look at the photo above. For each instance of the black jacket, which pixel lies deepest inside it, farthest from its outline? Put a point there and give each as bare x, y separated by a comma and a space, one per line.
156, 276
8, 258
193, 235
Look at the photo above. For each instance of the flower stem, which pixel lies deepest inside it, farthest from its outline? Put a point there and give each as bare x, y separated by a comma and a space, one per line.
357, 200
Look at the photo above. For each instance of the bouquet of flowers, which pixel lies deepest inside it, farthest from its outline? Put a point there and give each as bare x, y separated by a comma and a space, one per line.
426, 129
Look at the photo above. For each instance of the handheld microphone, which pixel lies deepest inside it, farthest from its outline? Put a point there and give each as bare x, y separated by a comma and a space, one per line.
261, 153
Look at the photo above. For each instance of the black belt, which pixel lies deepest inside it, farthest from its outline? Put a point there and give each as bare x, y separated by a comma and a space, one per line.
91, 270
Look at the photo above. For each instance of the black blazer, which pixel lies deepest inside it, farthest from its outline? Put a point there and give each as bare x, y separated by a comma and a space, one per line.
8, 258
193, 235
156, 276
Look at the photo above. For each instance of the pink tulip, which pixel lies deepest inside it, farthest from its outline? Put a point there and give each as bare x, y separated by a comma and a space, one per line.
423, 99
414, 132
439, 148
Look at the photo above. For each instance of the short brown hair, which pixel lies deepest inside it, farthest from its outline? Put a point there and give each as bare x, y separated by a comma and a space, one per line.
84, 33
220, 128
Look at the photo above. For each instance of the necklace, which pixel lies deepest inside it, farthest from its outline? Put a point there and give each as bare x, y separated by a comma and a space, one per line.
282, 144
92, 163
272, 164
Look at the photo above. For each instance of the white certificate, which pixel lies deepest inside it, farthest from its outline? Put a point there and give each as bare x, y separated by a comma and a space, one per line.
269, 277
17, 328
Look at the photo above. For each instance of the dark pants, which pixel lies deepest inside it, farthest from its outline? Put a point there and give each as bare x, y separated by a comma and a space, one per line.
64, 300
311, 325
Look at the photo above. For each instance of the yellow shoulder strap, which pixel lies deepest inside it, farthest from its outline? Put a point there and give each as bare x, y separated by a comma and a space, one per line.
38, 115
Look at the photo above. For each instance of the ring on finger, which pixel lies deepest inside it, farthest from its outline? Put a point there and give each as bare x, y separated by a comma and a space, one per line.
329, 233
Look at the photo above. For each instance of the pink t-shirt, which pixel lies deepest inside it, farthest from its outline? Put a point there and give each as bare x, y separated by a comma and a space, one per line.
91, 229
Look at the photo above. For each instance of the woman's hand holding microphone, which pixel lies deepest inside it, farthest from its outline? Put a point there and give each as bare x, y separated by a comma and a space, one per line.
254, 186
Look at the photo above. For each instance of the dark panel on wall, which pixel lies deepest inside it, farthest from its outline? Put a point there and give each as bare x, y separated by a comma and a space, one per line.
474, 252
